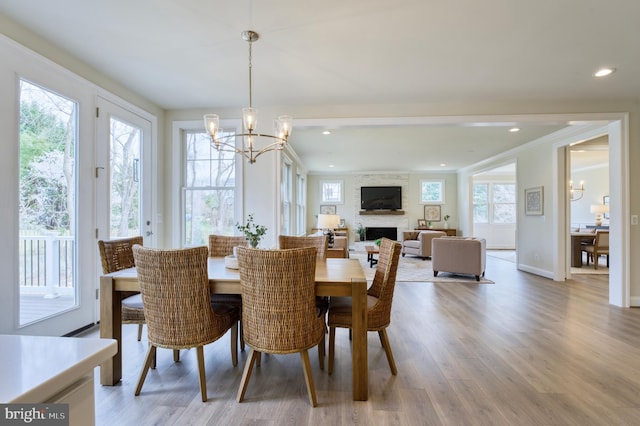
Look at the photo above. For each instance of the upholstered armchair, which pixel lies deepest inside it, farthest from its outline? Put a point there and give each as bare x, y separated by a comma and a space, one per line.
459, 255
418, 243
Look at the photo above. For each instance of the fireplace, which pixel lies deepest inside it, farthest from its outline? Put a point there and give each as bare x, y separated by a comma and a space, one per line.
373, 233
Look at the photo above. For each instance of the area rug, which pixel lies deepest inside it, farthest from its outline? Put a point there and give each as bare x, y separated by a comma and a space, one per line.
415, 269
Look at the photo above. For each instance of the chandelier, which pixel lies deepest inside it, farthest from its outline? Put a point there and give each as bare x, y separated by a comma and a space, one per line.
249, 135
576, 193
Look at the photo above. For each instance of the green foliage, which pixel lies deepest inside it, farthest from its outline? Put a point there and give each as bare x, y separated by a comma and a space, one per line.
252, 232
44, 189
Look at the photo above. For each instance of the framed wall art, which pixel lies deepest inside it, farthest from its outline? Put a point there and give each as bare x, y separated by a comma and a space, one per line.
432, 213
327, 209
422, 223
534, 201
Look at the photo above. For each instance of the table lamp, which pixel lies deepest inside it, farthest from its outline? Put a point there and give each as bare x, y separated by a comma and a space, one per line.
599, 210
328, 222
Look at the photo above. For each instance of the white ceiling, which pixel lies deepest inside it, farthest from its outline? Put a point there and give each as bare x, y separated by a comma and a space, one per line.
189, 54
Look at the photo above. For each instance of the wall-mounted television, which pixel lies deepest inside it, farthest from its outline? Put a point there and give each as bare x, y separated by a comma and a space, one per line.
381, 197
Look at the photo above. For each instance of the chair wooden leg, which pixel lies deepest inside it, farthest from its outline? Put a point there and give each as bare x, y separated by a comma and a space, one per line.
148, 359
246, 374
153, 362
308, 377
241, 338
201, 373
176, 355
321, 352
234, 344
596, 258
384, 340
332, 347
139, 332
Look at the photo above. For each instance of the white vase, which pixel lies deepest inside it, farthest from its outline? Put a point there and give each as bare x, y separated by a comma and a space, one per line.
446, 225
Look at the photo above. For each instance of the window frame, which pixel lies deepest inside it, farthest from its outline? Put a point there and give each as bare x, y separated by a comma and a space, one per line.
441, 190
339, 199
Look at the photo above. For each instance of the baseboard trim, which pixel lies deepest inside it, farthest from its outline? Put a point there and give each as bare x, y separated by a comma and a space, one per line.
536, 271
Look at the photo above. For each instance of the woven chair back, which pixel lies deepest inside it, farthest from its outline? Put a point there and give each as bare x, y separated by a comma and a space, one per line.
278, 299
175, 295
117, 254
320, 242
222, 245
383, 284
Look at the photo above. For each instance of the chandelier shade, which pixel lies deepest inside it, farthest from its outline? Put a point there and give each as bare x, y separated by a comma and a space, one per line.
249, 136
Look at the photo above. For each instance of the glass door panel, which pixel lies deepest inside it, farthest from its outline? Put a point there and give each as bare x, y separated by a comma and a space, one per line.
47, 237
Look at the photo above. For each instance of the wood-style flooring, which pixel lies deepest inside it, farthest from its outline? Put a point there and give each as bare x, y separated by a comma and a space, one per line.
523, 351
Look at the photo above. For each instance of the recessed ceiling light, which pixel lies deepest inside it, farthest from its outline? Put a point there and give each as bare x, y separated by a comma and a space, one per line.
514, 129
603, 72
331, 166
326, 132
442, 165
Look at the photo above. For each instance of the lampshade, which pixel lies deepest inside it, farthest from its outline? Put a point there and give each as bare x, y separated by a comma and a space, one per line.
328, 221
599, 208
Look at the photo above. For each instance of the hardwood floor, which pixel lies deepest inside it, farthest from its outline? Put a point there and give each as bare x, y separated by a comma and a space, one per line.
522, 351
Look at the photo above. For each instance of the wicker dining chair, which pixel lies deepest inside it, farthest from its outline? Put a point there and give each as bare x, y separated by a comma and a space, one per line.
278, 307
220, 246
115, 256
175, 292
321, 242
379, 299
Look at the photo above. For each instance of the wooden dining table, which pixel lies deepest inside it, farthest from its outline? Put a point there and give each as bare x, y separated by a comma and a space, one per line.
334, 277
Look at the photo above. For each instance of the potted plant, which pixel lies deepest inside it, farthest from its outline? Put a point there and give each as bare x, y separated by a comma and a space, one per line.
252, 232
362, 232
446, 221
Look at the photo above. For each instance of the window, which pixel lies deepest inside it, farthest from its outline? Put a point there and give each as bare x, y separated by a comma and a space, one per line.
481, 203
301, 202
432, 191
331, 191
286, 188
504, 202
209, 189
494, 203
47, 204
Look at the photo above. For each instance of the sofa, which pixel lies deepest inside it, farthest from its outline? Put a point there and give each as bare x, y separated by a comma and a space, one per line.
418, 243
459, 255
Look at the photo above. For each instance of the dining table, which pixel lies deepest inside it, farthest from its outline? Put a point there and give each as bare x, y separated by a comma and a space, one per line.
577, 238
334, 277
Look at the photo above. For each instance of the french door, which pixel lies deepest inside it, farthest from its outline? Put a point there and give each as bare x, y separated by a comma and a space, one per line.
123, 170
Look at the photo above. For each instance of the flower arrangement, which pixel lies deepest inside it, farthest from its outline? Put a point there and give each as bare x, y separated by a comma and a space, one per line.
446, 217
252, 232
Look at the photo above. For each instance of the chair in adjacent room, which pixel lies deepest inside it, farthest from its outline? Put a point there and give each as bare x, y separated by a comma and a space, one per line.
418, 243
115, 256
600, 247
279, 312
174, 285
379, 299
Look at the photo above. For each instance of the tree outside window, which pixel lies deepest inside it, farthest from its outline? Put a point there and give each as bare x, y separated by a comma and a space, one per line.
494, 203
331, 191
432, 191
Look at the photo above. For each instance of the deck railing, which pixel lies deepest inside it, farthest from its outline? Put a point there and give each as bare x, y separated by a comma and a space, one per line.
47, 261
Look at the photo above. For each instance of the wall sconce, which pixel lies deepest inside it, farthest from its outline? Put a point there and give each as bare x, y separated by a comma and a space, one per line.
576, 193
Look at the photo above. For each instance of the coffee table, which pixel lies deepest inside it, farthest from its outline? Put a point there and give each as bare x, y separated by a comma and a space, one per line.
371, 250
